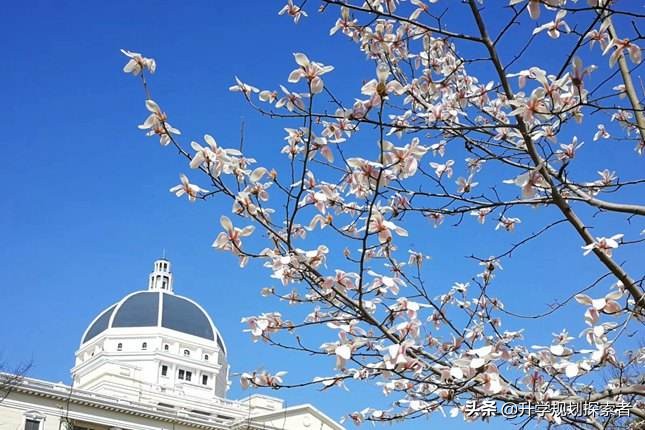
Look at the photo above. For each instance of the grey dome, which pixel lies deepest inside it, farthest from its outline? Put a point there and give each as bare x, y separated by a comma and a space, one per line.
143, 308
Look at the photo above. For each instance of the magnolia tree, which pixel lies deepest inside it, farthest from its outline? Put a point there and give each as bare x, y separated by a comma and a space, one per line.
447, 130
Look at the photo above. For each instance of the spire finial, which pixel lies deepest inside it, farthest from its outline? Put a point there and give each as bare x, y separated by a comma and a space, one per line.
161, 277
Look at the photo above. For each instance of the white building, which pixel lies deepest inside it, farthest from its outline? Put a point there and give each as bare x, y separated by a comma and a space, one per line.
152, 361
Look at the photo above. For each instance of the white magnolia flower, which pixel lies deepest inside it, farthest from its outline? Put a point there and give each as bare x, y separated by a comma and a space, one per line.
138, 63
621, 45
157, 123
379, 88
231, 238
465, 185
241, 87
530, 182
293, 10
507, 224
554, 27
261, 379
309, 70
603, 244
268, 96
481, 214
443, 169
290, 100
185, 187
384, 228
601, 133
568, 151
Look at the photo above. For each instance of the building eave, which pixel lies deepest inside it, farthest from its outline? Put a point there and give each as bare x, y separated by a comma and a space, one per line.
66, 393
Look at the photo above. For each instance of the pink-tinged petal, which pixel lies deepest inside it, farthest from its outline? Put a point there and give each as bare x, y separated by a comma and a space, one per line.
150, 122
316, 85
592, 316
607, 49
172, 129
128, 53
612, 307
476, 363
572, 370
583, 299
456, 373
483, 351
301, 59
326, 152
534, 9
598, 304
152, 65
344, 352
247, 231
557, 350
130, 67
152, 106
196, 162
369, 88
210, 141
196, 146
635, 53
226, 223
615, 56
257, 174
295, 76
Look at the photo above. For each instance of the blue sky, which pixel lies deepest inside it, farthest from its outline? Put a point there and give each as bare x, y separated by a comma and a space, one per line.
86, 207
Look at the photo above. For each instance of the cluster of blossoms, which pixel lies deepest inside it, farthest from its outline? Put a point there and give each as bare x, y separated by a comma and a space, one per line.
261, 379
344, 227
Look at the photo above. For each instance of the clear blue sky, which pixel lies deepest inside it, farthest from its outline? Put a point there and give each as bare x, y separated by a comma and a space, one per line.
86, 207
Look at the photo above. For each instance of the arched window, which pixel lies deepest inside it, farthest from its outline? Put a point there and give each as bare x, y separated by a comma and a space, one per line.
144, 346
186, 353
166, 347
205, 357
119, 347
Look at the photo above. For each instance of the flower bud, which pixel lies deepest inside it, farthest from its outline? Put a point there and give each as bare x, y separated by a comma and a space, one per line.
382, 72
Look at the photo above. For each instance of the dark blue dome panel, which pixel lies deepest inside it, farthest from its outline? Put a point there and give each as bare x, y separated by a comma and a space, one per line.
100, 325
182, 315
142, 309
138, 310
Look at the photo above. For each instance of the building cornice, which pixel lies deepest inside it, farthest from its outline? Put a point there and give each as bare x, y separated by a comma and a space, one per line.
65, 393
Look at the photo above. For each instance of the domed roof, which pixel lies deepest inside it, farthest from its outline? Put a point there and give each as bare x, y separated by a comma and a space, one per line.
156, 307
